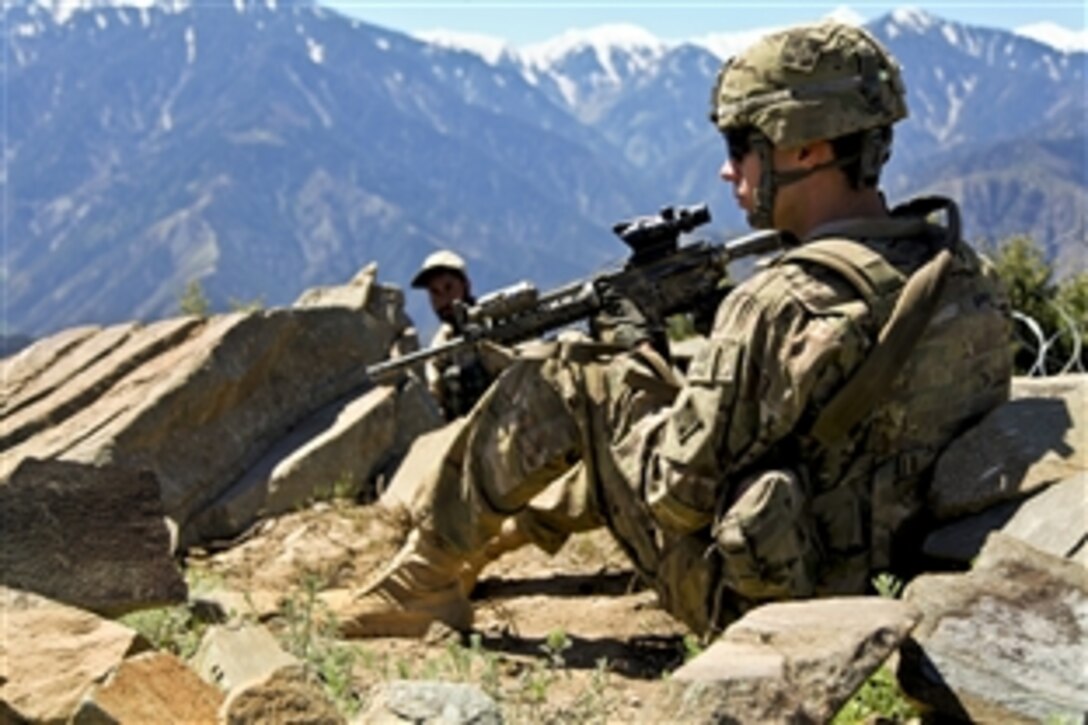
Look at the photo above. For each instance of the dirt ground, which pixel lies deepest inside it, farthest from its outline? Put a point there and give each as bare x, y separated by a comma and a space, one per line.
574, 637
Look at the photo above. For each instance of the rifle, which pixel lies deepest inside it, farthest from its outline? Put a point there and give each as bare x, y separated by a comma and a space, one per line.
661, 277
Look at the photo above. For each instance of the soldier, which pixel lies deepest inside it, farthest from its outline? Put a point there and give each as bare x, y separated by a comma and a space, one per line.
791, 461
458, 380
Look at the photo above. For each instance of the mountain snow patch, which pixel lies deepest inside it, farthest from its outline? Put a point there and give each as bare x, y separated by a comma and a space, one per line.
1056, 36
488, 47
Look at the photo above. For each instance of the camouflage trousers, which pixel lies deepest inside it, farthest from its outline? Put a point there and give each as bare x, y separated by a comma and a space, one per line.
546, 444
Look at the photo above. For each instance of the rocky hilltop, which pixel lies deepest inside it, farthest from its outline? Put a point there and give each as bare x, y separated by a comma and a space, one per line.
212, 476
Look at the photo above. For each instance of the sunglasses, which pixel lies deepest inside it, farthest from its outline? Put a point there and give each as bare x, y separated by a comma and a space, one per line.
738, 142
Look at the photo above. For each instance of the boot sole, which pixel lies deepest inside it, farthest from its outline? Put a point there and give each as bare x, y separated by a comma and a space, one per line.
403, 623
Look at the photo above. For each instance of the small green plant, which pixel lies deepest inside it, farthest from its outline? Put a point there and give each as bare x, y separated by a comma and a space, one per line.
888, 585
593, 703
310, 636
193, 301
344, 489
173, 629
555, 644
693, 647
879, 699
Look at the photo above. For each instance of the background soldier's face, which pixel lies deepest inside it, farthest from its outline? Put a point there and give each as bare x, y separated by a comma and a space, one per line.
445, 288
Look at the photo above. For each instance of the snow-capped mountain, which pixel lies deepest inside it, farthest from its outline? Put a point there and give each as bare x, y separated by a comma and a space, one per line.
265, 151
262, 147
1056, 36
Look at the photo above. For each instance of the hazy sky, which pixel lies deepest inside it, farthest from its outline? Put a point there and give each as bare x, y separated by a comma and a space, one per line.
528, 21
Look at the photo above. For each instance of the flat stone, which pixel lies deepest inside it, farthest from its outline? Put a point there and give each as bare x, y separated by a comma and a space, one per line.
426, 701
330, 452
151, 687
789, 662
93, 537
287, 695
1004, 642
1038, 438
1054, 520
51, 654
338, 452
232, 654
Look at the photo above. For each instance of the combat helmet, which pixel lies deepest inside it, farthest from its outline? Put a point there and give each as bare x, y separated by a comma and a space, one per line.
441, 261
809, 83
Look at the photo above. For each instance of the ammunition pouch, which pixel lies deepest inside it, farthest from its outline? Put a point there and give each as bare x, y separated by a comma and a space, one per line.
767, 541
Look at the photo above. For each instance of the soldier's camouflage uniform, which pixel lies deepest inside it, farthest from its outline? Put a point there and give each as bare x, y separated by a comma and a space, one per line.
713, 487
756, 477
457, 382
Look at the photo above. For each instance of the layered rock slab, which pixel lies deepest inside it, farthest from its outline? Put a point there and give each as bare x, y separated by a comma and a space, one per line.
1004, 642
51, 654
789, 662
93, 537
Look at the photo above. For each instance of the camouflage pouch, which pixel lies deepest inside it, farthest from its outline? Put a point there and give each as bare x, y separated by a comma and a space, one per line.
767, 540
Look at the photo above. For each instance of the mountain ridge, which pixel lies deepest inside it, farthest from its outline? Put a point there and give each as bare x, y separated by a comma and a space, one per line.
332, 143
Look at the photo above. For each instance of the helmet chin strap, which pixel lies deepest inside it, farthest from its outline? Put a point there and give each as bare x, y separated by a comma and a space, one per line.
771, 180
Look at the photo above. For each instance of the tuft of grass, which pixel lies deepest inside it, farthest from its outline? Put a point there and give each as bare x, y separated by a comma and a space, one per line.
888, 585
879, 699
172, 629
310, 635
175, 629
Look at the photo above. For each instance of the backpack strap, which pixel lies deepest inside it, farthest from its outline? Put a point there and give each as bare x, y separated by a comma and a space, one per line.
869, 273
907, 312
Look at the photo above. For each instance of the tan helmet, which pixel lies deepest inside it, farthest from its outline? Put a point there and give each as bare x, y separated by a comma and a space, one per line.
441, 261
814, 82
810, 83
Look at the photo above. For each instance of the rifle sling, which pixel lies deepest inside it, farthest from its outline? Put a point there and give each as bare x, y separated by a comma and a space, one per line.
913, 310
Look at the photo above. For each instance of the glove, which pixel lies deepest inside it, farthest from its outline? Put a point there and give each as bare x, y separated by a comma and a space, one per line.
619, 321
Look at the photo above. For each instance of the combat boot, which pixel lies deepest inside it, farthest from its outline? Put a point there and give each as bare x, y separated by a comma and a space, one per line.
420, 586
510, 537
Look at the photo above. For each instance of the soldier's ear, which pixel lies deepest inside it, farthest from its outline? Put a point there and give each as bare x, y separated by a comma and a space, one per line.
815, 154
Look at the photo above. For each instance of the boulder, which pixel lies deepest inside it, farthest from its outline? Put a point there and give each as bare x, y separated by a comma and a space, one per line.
151, 687
423, 701
1003, 642
286, 695
336, 452
1036, 439
231, 655
1054, 520
789, 662
51, 654
199, 402
90, 536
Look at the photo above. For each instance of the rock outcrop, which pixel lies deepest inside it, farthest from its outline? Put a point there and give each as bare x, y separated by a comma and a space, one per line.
89, 536
789, 662
51, 654
1003, 643
1036, 439
151, 687
214, 408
